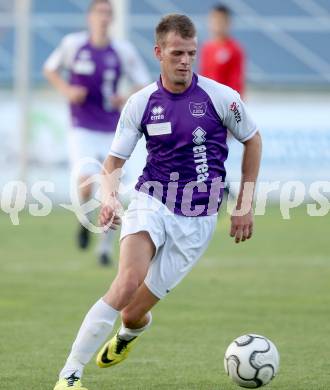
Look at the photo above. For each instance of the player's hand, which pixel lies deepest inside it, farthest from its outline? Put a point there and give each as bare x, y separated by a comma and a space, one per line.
242, 226
109, 217
76, 94
117, 101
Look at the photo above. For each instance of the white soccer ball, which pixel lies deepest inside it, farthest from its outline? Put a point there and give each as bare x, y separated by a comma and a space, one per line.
251, 361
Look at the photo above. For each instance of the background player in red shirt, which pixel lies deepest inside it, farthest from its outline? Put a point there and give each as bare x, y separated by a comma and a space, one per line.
222, 58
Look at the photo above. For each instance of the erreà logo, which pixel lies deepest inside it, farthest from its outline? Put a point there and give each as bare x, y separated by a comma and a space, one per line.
234, 107
199, 136
157, 113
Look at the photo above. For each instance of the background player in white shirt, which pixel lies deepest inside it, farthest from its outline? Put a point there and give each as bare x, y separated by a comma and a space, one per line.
95, 64
168, 225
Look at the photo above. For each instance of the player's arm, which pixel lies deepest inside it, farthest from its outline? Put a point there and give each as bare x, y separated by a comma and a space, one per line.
59, 59
73, 93
242, 217
125, 140
240, 124
110, 180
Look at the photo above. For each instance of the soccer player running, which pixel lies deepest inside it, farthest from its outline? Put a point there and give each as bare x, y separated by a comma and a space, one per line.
222, 57
170, 221
96, 63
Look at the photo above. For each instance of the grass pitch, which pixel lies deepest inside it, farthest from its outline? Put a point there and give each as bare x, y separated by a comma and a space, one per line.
277, 285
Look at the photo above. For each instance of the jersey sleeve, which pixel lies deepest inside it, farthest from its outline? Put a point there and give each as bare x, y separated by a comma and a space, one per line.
128, 131
237, 118
134, 67
63, 55
56, 60
230, 109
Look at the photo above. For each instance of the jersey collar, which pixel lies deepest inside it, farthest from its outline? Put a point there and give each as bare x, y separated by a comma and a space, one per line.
176, 96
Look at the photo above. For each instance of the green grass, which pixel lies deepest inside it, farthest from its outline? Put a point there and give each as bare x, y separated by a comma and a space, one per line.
278, 284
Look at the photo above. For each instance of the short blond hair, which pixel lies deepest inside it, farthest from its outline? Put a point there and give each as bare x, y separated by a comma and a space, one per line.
177, 23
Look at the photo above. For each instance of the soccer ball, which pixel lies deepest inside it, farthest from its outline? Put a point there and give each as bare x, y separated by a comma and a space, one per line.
251, 361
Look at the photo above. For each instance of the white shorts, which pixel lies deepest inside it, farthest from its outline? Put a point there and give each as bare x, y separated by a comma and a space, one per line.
180, 241
86, 145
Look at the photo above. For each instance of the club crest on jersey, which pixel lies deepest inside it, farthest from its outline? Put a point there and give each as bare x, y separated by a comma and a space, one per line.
234, 107
197, 109
157, 113
199, 136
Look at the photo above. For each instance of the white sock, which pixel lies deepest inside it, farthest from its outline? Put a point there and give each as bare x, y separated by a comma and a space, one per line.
128, 334
93, 332
105, 245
